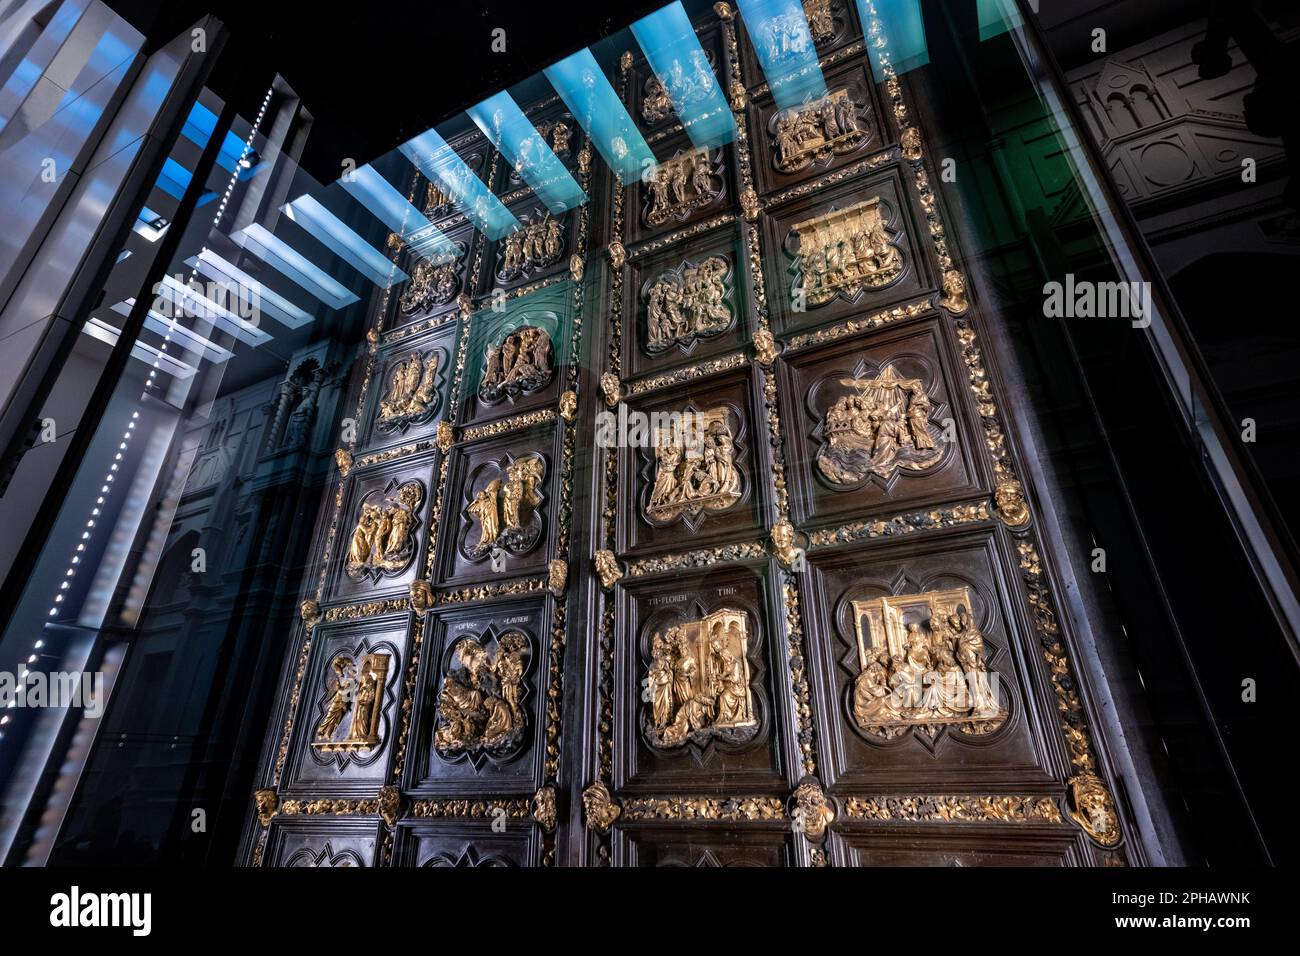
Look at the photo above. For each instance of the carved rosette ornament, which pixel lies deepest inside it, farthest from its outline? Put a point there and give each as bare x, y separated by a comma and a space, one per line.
608, 569
544, 808
310, 612
1091, 807
811, 811
600, 808
421, 597
569, 406
343, 458
268, 803
954, 293
765, 349
390, 805
609, 386
446, 436
557, 576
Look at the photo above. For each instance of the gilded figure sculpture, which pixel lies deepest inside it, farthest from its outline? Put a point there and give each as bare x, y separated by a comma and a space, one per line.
686, 303
383, 539
532, 247
845, 252
882, 426
412, 395
690, 84
821, 25
480, 702
695, 466
698, 678
432, 283
521, 362
815, 132
922, 664
505, 510
436, 202
355, 692
679, 186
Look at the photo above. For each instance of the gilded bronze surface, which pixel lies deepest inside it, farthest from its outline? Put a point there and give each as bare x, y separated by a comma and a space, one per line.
845, 252
881, 428
679, 186
815, 132
922, 664
698, 682
532, 247
356, 691
686, 303
521, 362
505, 511
695, 469
412, 396
480, 702
383, 539
432, 284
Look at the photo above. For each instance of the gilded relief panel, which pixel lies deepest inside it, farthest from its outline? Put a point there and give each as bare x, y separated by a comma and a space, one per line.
800, 143
382, 528
919, 673
409, 394
499, 508
832, 25
688, 185
539, 248
344, 733
481, 708
872, 426
648, 98
842, 252
561, 134
434, 200
516, 359
687, 302
689, 465
435, 281
464, 845
696, 707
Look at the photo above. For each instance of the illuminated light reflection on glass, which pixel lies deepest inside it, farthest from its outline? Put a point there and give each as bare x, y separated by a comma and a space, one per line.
508, 129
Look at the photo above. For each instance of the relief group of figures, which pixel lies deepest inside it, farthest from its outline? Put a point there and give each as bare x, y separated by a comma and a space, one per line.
927, 678
690, 474
480, 704
883, 426
698, 681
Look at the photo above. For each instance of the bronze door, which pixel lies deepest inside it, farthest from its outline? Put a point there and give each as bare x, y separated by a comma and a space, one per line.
688, 527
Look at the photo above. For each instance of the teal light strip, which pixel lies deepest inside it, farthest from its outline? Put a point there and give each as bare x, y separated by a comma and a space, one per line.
784, 46
331, 232
431, 155
904, 31
668, 41
508, 129
594, 104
